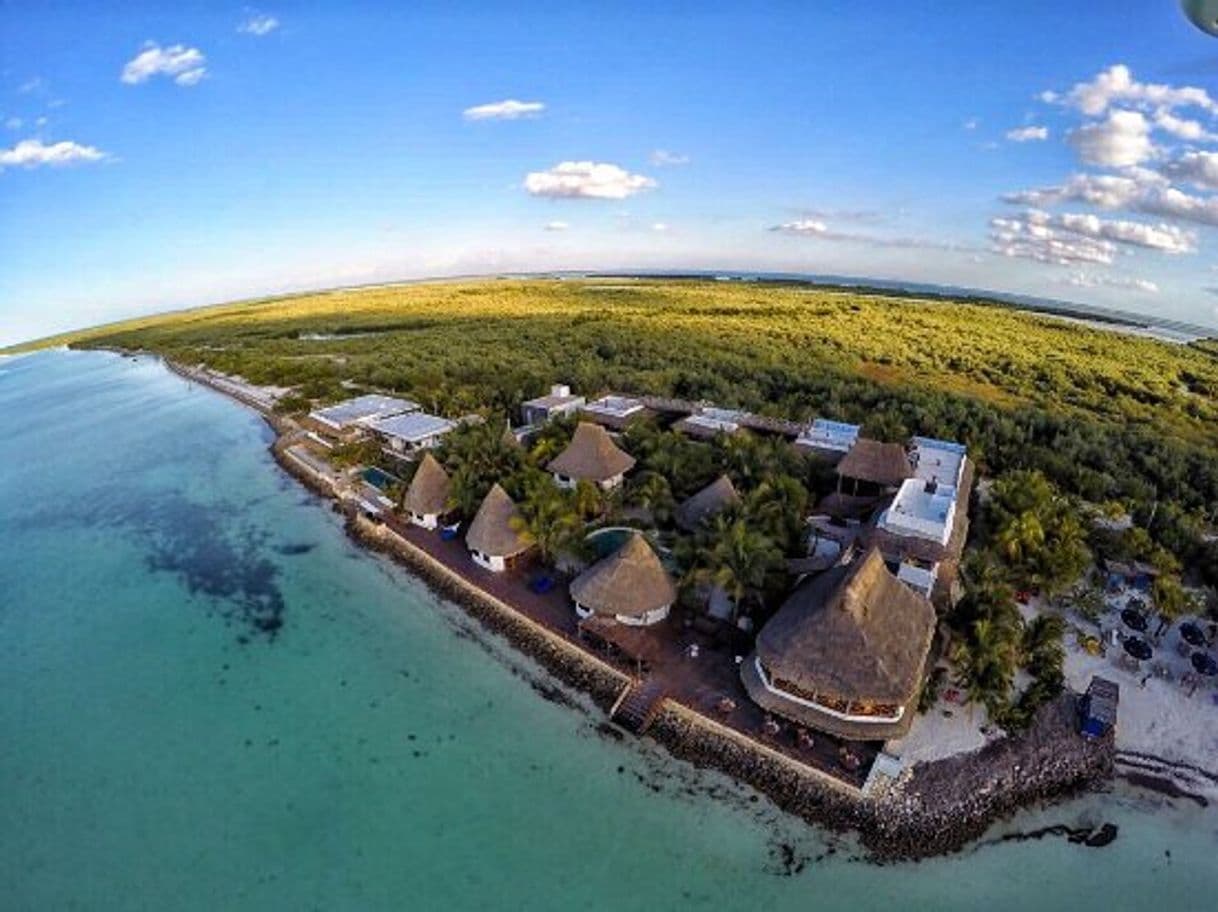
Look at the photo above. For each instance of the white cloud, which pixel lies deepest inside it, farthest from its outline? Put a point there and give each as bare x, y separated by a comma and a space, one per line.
816, 228
508, 109
1138, 190
1162, 237
1117, 85
1123, 139
13, 123
33, 153
1200, 168
971, 124
31, 85
557, 226
186, 66
1028, 134
660, 227
1027, 237
1106, 280
663, 158
1183, 128
258, 24
806, 227
586, 180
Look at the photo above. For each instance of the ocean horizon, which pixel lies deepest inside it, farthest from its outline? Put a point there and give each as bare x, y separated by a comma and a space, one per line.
164, 746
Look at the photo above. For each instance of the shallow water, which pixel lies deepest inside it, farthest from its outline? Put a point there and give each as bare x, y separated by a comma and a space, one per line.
165, 745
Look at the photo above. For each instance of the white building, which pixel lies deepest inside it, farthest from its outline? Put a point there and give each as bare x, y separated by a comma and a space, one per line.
828, 438
411, 433
558, 403
356, 413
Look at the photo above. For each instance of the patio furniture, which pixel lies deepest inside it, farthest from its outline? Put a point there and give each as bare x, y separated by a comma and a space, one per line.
1191, 634
1205, 664
541, 584
1134, 620
1138, 648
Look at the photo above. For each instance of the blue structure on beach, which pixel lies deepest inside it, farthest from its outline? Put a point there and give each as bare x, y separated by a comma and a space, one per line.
1098, 708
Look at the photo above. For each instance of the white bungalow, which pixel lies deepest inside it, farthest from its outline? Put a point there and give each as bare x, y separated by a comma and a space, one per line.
411, 433
591, 456
630, 586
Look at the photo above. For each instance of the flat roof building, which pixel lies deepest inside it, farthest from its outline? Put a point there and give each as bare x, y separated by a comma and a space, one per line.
411, 432
357, 412
709, 421
559, 402
614, 411
828, 438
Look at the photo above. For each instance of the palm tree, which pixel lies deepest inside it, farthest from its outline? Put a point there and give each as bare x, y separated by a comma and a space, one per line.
652, 492
1021, 537
466, 491
986, 661
548, 520
737, 559
777, 506
1171, 601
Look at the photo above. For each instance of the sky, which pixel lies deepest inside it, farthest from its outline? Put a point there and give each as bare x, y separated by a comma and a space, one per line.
155, 156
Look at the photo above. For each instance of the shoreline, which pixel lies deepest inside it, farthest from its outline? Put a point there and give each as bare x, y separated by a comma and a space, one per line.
935, 809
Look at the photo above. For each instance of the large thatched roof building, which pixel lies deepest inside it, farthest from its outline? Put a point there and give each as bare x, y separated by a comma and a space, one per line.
427, 497
846, 653
883, 464
492, 539
591, 456
630, 586
714, 498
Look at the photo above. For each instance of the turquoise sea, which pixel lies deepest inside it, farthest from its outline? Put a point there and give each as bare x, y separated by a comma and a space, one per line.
210, 699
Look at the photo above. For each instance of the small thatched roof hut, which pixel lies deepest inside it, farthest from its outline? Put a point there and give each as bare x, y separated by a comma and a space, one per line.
714, 498
591, 456
853, 640
630, 582
429, 489
882, 463
491, 533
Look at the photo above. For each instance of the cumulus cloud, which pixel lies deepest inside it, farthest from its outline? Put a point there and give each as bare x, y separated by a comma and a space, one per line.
1029, 237
557, 226
508, 109
971, 124
660, 227
33, 153
586, 180
1183, 127
258, 24
1116, 85
1138, 190
1199, 168
185, 65
1106, 280
1028, 134
1162, 236
663, 158
1123, 139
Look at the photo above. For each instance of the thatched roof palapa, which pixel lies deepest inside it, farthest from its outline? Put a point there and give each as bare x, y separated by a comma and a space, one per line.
429, 489
882, 463
631, 581
592, 456
714, 498
491, 532
854, 633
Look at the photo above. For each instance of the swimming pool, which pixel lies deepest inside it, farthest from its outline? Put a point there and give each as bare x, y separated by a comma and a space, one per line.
379, 478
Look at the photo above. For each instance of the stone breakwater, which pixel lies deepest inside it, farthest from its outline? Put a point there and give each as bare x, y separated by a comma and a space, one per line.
939, 809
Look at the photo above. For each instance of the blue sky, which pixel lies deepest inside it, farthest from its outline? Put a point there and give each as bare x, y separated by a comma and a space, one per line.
155, 157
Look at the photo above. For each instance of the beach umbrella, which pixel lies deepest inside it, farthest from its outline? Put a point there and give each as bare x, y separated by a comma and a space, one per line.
1191, 634
1205, 664
1138, 648
1134, 619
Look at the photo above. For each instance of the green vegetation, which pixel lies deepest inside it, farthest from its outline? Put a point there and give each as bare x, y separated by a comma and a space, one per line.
1060, 415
